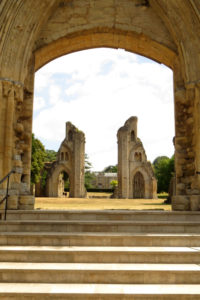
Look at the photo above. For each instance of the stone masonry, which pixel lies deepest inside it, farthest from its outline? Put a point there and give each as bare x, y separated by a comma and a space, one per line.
135, 174
35, 32
70, 159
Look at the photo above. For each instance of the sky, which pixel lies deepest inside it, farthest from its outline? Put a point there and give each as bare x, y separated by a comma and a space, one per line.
98, 90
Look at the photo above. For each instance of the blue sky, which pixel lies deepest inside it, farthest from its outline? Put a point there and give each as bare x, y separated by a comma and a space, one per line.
98, 90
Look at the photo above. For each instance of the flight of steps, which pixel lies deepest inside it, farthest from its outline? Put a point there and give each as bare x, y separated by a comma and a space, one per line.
109, 254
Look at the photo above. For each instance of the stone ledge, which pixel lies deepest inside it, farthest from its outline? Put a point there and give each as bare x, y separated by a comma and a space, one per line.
26, 199
185, 203
181, 202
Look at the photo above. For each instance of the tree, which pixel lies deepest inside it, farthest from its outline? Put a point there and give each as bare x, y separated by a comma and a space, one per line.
37, 159
158, 159
51, 155
89, 176
164, 170
110, 169
113, 184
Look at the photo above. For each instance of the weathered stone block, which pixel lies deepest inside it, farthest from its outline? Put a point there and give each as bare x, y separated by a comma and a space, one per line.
14, 185
13, 192
192, 192
26, 207
195, 203
181, 186
17, 157
26, 200
19, 170
180, 202
16, 178
179, 171
13, 202
17, 163
178, 207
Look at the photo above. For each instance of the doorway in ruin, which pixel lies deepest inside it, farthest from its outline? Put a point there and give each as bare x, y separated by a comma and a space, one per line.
63, 184
138, 186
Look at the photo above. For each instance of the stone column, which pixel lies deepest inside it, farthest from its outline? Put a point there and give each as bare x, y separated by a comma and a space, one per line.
123, 171
187, 146
15, 142
79, 163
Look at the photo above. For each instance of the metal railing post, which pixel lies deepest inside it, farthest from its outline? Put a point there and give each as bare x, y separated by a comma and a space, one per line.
7, 189
6, 204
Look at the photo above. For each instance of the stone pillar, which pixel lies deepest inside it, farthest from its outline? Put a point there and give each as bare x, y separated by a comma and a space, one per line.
123, 171
15, 142
187, 146
79, 164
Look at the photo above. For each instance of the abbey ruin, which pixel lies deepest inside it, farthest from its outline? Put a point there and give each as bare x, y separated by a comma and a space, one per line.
71, 160
135, 174
165, 31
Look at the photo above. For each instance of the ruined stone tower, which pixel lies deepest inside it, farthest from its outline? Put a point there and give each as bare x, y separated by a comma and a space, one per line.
135, 174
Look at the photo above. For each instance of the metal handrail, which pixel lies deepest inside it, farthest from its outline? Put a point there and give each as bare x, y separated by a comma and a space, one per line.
6, 196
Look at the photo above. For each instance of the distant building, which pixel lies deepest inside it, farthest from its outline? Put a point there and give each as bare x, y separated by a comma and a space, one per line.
102, 180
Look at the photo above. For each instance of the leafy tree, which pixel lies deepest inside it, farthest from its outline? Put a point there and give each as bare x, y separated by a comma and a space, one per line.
164, 170
113, 184
51, 155
158, 159
37, 159
110, 169
89, 176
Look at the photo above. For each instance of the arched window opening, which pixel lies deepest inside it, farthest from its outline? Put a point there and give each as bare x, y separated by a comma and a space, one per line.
132, 136
138, 156
62, 156
66, 156
70, 136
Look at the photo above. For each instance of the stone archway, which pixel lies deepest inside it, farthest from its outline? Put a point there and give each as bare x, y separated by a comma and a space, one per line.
55, 182
70, 159
138, 186
166, 31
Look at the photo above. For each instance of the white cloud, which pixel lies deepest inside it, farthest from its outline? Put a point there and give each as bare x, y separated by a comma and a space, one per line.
54, 94
105, 88
39, 103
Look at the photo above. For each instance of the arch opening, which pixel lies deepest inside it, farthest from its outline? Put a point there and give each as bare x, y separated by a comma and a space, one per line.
138, 186
63, 184
105, 99
158, 32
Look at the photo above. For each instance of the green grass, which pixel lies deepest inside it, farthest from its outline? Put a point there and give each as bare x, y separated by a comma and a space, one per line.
163, 195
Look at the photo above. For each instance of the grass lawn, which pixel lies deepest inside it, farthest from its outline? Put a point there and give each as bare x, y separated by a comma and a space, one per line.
96, 203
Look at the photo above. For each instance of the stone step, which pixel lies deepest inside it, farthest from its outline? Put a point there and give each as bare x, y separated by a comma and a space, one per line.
100, 273
118, 215
35, 291
58, 254
101, 226
99, 239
